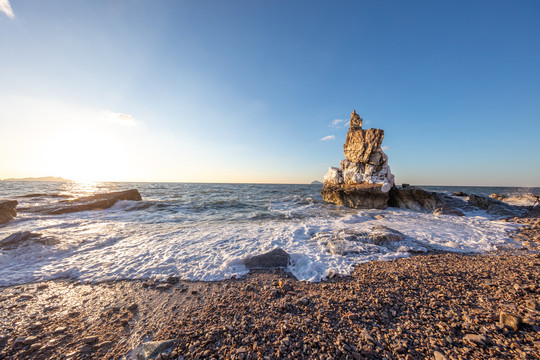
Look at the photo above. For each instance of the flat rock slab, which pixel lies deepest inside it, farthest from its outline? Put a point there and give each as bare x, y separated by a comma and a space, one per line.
271, 260
94, 202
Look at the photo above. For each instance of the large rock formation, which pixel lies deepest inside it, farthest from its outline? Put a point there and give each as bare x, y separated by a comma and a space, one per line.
364, 178
7, 210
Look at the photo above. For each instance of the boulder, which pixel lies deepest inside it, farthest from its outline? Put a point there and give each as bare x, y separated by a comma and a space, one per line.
460, 193
93, 202
364, 178
273, 259
415, 198
448, 210
7, 210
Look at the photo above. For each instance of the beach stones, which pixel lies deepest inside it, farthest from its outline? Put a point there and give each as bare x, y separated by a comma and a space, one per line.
7, 210
273, 259
364, 178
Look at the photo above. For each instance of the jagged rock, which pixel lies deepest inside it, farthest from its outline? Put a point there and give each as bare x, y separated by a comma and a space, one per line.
363, 196
414, 198
493, 206
460, 193
7, 210
364, 179
270, 260
364, 146
448, 210
94, 202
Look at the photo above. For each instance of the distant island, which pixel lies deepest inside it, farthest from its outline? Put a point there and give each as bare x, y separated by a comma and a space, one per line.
316, 182
44, 178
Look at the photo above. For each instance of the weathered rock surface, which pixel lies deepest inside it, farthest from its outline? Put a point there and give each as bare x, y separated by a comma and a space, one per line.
364, 178
7, 210
270, 260
414, 198
94, 202
494, 206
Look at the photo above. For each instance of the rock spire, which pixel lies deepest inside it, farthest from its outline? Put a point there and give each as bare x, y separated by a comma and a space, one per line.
364, 178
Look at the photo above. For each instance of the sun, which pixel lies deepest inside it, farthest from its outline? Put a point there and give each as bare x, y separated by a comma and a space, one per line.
86, 157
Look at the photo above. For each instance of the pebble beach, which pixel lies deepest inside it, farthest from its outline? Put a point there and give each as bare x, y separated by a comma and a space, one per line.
435, 306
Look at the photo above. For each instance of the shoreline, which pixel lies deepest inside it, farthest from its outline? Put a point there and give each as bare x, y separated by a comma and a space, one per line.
407, 308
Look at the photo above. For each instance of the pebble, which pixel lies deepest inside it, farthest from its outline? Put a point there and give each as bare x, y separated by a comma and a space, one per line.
439, 355
90, 339
475, 339
510, 320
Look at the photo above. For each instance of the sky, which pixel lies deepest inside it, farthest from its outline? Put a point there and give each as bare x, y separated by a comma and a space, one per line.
261, 91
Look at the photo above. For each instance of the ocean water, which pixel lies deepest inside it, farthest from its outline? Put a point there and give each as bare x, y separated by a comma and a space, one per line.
205, 231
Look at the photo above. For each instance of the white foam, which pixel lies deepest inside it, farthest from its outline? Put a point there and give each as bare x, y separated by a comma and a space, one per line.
115, 244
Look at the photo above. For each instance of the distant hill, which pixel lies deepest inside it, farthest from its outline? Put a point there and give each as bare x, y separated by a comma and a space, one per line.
316, 182
44, 178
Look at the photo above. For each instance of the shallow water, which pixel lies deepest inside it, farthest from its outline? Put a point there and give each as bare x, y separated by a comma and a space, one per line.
204, 231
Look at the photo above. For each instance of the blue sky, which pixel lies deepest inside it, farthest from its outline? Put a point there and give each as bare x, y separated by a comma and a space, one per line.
244, 91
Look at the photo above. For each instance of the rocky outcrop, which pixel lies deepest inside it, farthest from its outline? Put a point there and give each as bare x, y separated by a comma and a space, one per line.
414, 198
94, 202
7, 210
271, 260
494, 206
364, 178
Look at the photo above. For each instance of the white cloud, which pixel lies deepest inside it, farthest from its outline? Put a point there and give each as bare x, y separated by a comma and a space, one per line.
119, 118
384, 148
5, 7
336, 122
329, 137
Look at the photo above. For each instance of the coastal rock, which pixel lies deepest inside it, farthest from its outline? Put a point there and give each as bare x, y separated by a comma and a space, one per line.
353, 241
364, 178
94, 202
493, 206
270, 260
448, 210
17, 238
496, 196
7, 210
414, 198
460, 193
365, 196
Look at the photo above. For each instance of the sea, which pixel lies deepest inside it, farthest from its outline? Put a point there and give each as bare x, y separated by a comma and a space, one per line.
206, 231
